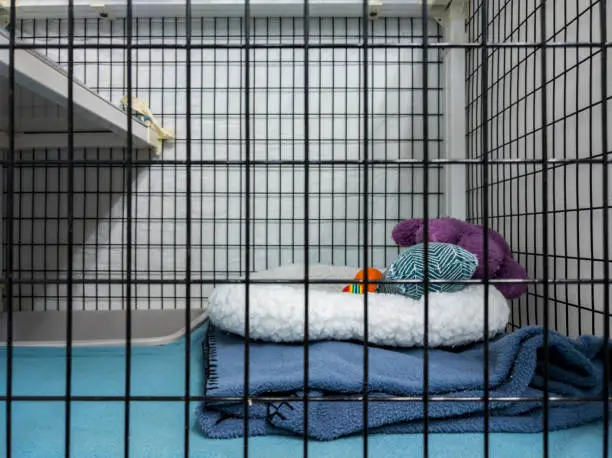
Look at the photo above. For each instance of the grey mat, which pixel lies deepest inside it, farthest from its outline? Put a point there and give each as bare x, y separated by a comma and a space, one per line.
98, 328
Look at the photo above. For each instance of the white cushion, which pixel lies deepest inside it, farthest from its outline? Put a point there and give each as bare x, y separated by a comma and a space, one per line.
277, 311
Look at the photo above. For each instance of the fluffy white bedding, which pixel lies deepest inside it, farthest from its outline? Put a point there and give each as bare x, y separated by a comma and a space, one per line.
277, 311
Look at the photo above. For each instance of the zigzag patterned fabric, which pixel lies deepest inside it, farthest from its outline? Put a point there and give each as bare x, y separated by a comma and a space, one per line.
446, 262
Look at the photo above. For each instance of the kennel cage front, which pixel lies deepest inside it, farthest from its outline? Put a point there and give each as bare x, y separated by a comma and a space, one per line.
299, 139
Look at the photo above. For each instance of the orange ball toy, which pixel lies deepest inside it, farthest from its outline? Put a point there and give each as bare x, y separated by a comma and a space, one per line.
373, 274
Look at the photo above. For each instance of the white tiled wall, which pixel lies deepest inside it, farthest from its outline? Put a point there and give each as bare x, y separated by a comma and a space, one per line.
574, 131
218, 195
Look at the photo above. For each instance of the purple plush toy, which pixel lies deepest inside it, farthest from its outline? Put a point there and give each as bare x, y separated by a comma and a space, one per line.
501, 264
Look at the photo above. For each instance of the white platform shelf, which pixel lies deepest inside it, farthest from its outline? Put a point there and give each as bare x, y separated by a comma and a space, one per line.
41, 108
221, 8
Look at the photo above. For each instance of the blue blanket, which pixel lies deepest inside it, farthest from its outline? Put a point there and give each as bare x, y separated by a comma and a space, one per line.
336, 368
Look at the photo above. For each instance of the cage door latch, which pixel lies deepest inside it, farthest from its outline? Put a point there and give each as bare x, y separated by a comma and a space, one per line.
102, 10
5, 13
374, 9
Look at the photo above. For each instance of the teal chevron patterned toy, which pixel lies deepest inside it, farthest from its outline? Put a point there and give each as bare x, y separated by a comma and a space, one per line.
446, 262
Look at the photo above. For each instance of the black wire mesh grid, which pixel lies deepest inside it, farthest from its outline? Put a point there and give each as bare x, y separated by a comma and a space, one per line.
516, 174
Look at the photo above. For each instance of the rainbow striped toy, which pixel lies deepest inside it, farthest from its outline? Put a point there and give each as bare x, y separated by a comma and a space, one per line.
355, 289
373, 274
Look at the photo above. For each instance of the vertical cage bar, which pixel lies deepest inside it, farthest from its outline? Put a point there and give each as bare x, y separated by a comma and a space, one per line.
306, 36
385, 135
603, 25
591, 192
149, 205
188, 210
266, 139
293, 123
176, 288
533, 140
10, 171
566, 213
320, 169
545, 269
70, 273
553, 178
227, 147
577, 194
214, 142
247, 236
364, 31
484, 166
333, 136
414, 168
426, 298
345, 129
128, 254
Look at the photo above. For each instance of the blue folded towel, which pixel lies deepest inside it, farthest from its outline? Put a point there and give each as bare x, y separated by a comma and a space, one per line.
336, 368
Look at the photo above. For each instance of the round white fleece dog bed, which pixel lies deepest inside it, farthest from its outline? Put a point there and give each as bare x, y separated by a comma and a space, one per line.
277, 311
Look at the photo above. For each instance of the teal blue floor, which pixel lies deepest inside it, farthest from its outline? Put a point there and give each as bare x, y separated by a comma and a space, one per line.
157, 428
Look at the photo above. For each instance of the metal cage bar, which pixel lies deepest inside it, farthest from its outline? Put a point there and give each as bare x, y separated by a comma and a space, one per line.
285, 161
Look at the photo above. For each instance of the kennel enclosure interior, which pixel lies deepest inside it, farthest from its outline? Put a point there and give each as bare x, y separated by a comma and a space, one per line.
298, 140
